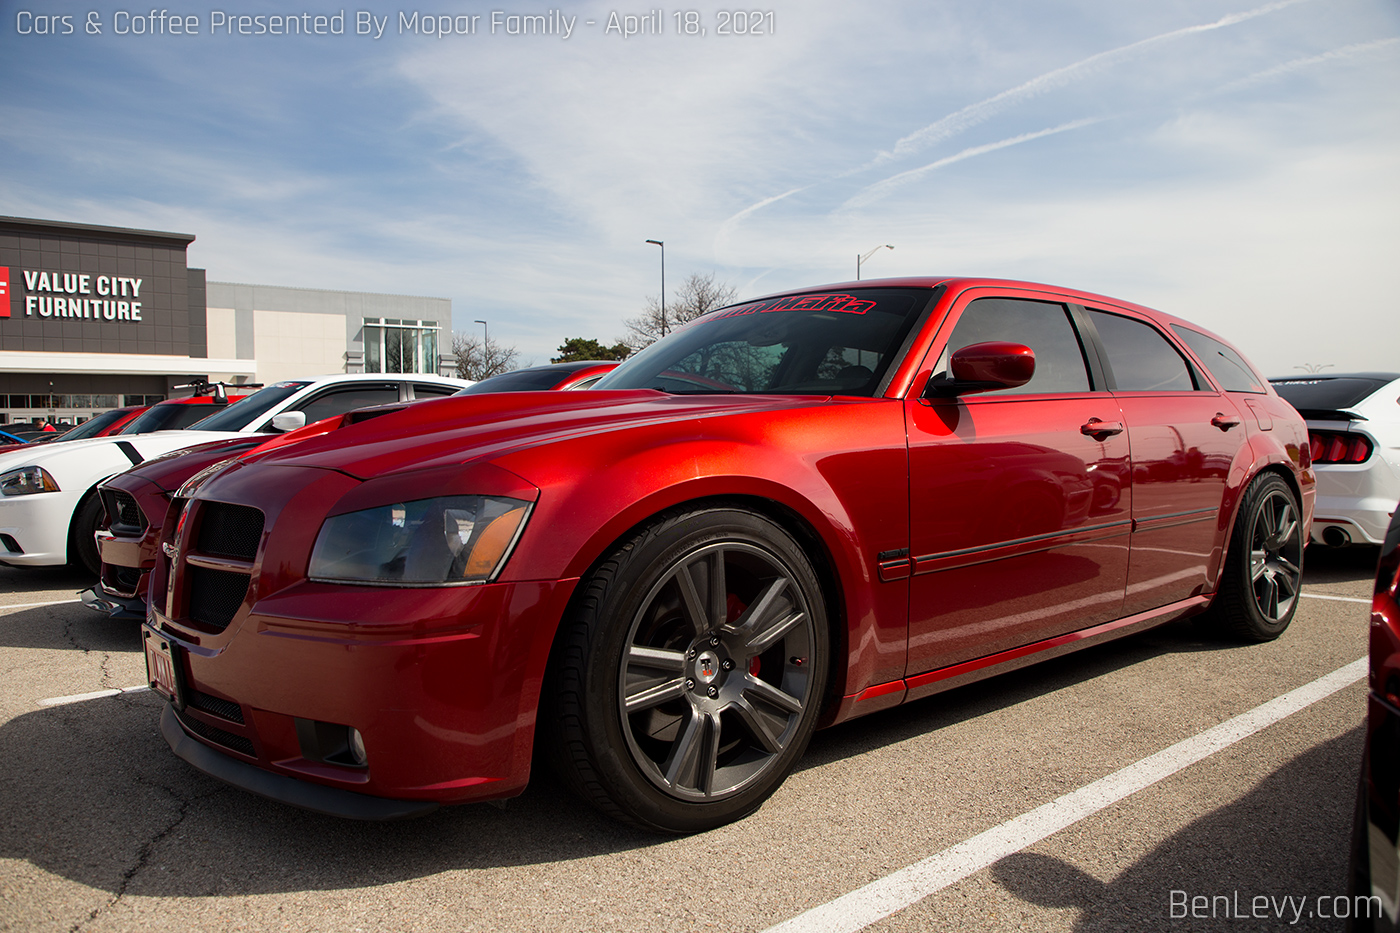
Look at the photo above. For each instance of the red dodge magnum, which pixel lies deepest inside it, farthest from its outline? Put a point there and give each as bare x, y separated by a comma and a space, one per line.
788, 513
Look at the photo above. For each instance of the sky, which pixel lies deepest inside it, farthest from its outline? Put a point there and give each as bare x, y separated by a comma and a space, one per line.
1233, 162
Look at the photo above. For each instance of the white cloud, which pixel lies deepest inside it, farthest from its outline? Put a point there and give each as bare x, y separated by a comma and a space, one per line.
520, 176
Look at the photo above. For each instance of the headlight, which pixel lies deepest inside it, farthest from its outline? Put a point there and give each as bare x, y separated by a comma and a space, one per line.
424, 542
26, 481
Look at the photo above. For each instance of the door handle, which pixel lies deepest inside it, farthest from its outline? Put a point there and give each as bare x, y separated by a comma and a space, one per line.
1225, 422
1099, 430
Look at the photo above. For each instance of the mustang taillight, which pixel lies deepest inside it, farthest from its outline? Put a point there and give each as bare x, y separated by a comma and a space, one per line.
1335, 447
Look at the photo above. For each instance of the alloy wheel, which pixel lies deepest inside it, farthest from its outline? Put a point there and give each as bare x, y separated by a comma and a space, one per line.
716, 671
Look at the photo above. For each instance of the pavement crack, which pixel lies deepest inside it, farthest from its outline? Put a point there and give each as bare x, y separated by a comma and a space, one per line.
73, 639
143, 856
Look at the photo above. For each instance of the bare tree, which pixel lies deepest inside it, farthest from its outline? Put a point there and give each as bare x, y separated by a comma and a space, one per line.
696, 295
477, 363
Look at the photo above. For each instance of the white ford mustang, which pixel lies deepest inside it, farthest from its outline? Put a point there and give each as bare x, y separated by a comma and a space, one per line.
1354, 426
49, 507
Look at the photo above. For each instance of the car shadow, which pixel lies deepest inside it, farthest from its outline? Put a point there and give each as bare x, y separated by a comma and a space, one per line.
21, 579
94, 795
1288, 837
889, 727
1322, 564
67, 626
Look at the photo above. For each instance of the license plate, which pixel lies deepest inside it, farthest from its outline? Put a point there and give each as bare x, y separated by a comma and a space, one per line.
163, 666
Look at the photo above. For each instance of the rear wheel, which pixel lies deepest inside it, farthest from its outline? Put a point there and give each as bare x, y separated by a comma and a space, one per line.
689, 677
1263, 572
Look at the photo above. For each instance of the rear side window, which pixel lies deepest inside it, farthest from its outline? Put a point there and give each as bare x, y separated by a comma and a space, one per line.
1041, 325
432, 390
1140, 358
1227, 366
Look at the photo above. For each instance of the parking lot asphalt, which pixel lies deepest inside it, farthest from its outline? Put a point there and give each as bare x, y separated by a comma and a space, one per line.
103, 829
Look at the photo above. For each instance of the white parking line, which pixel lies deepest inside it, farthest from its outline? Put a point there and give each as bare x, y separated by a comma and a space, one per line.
95, 695
52, 602
1340, 599
879, 899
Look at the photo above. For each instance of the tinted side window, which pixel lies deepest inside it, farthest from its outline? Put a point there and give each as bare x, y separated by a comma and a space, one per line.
432, 390
1227, 366
1041, 325
339, 401
1141, 358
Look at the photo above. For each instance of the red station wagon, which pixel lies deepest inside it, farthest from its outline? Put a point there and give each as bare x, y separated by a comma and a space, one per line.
788, 513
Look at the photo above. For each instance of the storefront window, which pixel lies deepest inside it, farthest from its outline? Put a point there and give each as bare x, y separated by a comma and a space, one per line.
400, 346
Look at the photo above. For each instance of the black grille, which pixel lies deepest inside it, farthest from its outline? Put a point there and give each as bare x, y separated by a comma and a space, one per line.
128, 578
224, 709
123, 514
215, 596
218, 736
230, 530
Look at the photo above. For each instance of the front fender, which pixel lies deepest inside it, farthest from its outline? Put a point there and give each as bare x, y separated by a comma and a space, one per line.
841, 469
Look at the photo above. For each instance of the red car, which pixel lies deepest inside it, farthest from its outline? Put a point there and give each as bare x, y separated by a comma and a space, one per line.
1376, 831
135, 502
134, 505
557, 377
788, 513
177, 413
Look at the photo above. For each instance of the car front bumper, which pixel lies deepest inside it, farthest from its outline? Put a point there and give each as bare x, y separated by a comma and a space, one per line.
38, 525
442, 683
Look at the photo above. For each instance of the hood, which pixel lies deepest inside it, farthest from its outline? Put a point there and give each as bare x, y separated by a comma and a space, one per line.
457, 430
134, 449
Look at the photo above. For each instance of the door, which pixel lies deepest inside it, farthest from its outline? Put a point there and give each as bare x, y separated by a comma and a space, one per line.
1019, 518
1184, 435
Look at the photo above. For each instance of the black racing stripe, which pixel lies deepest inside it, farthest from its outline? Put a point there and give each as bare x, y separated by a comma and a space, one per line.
130, 451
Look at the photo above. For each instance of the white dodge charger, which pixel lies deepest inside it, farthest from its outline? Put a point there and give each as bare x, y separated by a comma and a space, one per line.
49, 507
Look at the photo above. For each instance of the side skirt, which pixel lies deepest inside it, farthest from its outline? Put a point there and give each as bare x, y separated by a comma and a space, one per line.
884, 696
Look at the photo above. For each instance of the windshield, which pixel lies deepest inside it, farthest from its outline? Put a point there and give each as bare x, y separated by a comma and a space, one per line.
521, 380
165, 416
95, 424
244, 412
830, 343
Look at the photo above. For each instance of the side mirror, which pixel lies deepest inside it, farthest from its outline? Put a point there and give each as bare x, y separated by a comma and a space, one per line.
288, 421
980, 367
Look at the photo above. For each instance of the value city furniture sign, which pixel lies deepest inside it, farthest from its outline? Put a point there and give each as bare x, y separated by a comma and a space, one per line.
69, 295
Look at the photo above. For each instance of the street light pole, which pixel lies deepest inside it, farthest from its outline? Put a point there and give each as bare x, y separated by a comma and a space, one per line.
860, 259
662, 244
485, 342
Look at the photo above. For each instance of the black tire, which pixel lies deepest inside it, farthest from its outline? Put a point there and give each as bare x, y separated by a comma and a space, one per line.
82, 546
1263, 572
689, 674
1359, 865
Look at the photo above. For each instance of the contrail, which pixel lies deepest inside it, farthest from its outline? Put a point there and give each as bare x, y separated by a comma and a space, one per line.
884, 187
1346, 51
973, 114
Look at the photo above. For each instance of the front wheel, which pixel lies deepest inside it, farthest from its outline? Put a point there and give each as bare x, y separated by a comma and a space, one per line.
82, 541
1263, 573
689, 676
